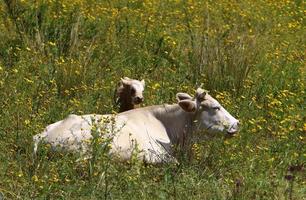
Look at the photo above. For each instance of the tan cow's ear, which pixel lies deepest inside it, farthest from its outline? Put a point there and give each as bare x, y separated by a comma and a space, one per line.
143, 82
187, 105
183, 96
124, 81
127, 78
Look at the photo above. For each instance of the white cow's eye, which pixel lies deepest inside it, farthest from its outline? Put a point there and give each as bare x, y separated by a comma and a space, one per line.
216, 108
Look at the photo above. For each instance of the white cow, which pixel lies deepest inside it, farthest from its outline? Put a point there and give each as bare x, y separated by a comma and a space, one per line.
153, 130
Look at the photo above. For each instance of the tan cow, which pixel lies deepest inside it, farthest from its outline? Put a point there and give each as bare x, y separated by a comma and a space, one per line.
129, 93
153, 130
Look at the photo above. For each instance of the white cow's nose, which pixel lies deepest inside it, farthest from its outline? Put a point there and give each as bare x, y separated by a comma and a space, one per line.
233, 128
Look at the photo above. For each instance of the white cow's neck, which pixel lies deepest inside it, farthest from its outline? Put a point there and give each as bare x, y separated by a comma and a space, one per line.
177, 122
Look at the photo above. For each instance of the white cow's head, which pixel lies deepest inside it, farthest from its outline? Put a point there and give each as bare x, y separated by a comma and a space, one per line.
209, 114
133, 89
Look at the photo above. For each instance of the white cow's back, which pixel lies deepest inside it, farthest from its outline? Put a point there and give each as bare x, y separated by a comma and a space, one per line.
140, 128
137, 128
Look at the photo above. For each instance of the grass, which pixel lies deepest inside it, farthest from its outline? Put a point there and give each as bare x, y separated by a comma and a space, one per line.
64, 57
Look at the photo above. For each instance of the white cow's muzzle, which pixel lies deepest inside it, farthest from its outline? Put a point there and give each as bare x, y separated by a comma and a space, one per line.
234, 127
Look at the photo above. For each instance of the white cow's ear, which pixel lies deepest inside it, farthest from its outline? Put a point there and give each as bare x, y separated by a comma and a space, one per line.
125, 81
183, 96
143, 82
187, 105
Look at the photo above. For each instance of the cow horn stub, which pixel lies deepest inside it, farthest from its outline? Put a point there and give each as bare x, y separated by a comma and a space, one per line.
200, 94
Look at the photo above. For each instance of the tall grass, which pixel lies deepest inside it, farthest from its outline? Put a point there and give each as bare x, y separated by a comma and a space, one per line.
64, 57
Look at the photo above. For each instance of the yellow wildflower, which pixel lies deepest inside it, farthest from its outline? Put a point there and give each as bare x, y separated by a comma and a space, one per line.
34, 178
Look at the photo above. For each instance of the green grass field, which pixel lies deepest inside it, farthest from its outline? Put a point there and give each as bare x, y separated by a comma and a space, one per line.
64, 57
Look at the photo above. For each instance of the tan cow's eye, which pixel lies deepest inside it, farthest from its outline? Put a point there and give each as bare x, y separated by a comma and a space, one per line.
133, 91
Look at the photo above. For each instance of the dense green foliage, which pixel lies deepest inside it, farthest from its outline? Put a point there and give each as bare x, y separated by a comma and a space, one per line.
62, 57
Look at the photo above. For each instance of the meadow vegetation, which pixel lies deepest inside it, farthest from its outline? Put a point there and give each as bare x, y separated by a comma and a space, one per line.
64, 57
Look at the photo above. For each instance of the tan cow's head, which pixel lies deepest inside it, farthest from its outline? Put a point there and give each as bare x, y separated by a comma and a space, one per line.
134, 89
